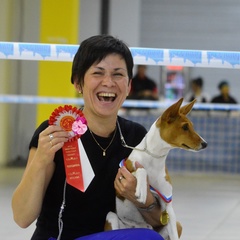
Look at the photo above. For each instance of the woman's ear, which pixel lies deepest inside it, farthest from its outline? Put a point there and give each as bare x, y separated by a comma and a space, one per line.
78, 87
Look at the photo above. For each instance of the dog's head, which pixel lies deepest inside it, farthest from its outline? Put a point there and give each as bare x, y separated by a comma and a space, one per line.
177, 130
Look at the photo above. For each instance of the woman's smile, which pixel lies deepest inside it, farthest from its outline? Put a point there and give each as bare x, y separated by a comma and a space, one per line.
106, 96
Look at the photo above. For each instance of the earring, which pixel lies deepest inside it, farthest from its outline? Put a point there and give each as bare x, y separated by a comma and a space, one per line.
80, 92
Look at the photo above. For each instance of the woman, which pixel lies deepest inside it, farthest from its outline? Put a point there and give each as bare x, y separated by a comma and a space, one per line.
102, 73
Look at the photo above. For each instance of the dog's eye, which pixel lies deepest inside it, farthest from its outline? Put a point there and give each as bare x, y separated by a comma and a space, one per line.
185, 127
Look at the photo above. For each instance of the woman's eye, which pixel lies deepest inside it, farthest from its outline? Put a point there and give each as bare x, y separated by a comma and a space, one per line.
97, 73
117, 74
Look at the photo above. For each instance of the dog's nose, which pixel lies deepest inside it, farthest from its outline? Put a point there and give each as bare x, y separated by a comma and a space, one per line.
204, 145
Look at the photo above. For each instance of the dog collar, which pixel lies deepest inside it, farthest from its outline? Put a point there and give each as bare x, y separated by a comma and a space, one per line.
123, 163
162, 196
138, 149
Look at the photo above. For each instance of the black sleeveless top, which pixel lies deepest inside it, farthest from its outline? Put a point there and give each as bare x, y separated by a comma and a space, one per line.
85, 212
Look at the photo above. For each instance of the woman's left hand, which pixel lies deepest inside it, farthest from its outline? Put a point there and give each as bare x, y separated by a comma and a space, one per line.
125, 184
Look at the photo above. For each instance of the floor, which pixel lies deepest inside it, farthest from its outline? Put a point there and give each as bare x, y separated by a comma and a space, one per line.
208, 206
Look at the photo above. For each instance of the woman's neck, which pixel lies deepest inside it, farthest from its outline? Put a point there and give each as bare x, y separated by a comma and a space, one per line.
101, 126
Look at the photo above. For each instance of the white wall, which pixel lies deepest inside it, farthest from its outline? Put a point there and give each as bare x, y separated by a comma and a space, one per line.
198, 24
125, 21
90, 18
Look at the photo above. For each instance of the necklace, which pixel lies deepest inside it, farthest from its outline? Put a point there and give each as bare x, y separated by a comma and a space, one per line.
104, 149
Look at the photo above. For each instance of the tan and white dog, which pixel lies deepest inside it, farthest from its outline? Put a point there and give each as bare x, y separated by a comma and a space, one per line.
171, 130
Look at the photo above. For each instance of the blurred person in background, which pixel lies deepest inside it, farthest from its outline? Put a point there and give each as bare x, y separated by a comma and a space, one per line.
224, 96
142, 87
197, 92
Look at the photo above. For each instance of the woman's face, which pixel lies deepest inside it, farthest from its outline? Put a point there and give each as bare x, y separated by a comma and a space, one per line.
106, 86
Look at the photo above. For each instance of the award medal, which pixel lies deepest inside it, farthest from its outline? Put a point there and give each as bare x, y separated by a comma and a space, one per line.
164, 218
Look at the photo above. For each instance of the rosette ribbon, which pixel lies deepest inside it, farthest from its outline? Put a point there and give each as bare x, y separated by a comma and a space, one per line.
79, 172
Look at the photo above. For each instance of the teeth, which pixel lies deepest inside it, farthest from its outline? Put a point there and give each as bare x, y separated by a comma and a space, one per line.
106, 95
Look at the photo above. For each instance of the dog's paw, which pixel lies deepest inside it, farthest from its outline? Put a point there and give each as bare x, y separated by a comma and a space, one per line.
112, 222
141, 188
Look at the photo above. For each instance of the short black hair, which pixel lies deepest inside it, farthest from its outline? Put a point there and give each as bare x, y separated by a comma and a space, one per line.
95, 49
222, 84
198, 81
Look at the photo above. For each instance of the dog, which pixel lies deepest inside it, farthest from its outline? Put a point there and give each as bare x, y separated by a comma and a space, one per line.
171, 130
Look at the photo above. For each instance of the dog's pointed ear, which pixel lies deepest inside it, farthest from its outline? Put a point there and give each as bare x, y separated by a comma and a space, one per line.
187, 108
171, 113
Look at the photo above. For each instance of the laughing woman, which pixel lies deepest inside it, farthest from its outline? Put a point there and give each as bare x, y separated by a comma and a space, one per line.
102, 73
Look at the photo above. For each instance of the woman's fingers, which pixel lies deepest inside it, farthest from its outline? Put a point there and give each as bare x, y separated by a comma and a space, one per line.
50, 141
125, 183
54, 135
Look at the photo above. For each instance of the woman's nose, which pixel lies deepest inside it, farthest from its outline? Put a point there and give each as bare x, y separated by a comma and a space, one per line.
108, 80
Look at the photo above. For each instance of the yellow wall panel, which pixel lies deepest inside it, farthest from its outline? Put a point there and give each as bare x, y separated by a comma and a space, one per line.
59, 22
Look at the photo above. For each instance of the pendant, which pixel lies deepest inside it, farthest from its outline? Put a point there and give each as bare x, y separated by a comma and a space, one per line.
164, 218
104, 153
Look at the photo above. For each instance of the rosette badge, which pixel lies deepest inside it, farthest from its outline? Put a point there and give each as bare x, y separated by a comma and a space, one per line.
78, 169
70, 119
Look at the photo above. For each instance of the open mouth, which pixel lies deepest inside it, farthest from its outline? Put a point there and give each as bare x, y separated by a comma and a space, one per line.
106, 97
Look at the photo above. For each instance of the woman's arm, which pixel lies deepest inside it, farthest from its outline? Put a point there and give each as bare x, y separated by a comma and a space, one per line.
28, 196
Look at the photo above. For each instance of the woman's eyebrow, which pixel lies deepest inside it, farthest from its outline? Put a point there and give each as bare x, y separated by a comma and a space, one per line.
100, 68
115, 69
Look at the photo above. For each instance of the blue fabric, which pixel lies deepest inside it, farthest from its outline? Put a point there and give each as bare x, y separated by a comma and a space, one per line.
124, 234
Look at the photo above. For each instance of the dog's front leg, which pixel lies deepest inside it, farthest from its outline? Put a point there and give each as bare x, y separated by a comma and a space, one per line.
172, 224
141, 188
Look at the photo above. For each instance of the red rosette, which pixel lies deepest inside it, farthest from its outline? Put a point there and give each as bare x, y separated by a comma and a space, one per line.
65, 116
